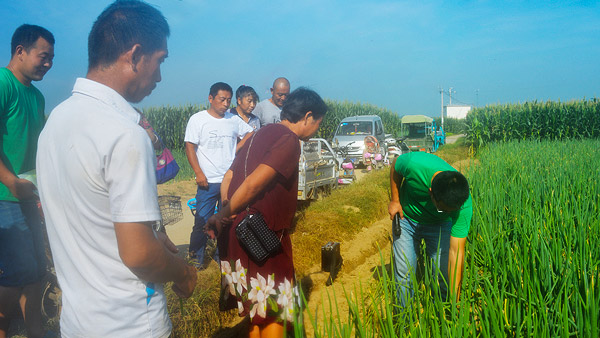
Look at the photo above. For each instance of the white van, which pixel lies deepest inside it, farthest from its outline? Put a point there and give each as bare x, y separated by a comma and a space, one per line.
353, 130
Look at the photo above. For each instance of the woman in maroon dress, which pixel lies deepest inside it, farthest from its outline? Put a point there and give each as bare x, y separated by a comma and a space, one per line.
264, 176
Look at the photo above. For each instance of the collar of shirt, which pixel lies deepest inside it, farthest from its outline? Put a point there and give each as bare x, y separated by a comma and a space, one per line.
107, 96
235, 112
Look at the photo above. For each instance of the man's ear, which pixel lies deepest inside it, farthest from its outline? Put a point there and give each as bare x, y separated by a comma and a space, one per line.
307, 115
135, 56
19, 51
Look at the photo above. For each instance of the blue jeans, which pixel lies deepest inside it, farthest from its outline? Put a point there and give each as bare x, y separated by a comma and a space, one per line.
22, 249
407, 248
206, 200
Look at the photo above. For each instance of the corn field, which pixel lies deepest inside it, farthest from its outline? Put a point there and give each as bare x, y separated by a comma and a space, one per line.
170, 121
452, 125
532, 260
534, 120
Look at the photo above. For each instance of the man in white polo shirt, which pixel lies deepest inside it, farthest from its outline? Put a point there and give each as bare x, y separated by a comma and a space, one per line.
96, 176
211, 141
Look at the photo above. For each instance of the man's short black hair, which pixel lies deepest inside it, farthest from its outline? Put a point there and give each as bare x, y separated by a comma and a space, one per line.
27, 35
244, 91
214, 89
451, 188
121, 25
301, 101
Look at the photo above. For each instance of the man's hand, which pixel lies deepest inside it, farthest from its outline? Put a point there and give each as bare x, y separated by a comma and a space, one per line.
22, 189
184, 288
393, 208
201, 180
214, 225
166, 241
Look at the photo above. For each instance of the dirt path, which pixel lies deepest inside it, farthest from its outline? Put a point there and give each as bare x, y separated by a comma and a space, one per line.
180, 232
453, 138
362, 256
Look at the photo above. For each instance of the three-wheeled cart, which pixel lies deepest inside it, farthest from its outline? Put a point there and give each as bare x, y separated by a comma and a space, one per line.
421, 133
317, 169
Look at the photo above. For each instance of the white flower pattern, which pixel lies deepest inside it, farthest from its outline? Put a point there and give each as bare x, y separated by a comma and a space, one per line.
226, 272
259, 292
261, 289
286, 300
239, 277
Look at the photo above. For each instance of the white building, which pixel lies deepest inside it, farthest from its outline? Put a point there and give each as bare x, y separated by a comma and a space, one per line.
456, 111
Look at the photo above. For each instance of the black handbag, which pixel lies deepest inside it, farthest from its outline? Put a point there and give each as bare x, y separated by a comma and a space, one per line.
256, 237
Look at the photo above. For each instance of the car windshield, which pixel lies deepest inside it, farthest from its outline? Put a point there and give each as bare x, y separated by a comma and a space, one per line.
355, 128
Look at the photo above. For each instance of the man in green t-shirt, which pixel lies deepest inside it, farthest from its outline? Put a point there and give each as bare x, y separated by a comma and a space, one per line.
22, 250
433, 203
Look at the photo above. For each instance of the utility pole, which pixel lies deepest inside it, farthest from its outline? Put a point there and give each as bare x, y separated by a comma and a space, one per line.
450, 93
442, 108
477, 98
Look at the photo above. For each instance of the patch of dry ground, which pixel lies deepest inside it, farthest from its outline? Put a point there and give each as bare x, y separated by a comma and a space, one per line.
361, 258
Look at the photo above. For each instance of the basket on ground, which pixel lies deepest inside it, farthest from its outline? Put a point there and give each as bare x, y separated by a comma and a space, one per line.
170, 209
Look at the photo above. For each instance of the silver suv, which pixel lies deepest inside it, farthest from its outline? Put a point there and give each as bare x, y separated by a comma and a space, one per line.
353, 130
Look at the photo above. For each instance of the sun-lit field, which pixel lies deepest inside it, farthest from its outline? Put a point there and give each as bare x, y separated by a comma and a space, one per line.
532, 260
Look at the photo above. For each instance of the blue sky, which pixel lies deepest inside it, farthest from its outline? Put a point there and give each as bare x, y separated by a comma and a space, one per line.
393, 54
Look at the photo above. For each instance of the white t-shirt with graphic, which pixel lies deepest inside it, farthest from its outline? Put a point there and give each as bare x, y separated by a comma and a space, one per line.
216, 140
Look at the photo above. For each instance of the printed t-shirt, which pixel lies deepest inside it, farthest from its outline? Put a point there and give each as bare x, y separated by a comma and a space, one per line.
216, 140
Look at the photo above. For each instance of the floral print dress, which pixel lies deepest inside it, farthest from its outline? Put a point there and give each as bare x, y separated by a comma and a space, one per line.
264, 291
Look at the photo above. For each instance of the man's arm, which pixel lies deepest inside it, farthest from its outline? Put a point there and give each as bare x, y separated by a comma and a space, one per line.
152, 258
225, 184
395, 181
241, 143
252, 186
190, 152
21, 189
154, 139
456, 260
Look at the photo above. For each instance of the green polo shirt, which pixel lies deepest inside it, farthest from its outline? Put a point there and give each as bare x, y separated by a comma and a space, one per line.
21, 121
418, 168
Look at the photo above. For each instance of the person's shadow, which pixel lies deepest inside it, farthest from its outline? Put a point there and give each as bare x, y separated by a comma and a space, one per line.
379, 270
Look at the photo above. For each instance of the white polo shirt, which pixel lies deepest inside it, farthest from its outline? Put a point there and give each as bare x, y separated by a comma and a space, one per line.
96, 166
216, 140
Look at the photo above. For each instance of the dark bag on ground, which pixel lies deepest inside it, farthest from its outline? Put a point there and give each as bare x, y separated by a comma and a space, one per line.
331, 260
257, 239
